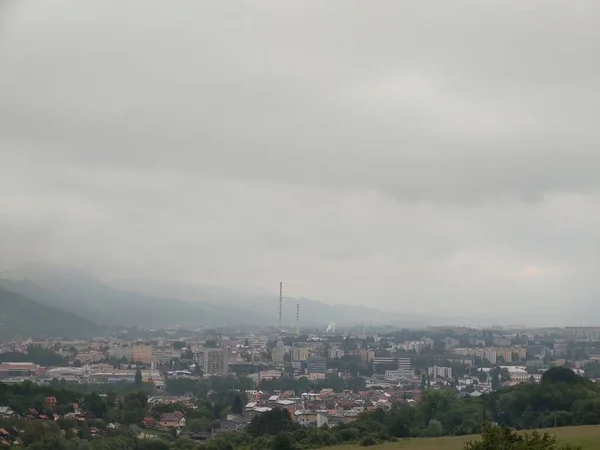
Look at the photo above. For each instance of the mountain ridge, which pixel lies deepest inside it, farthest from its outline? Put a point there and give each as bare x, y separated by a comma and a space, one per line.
156, 302
22, 317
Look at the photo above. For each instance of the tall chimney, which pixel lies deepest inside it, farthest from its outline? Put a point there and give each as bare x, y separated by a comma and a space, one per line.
280, 302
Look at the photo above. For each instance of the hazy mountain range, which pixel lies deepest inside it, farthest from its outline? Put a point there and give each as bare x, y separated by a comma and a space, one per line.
159, 303
21, 317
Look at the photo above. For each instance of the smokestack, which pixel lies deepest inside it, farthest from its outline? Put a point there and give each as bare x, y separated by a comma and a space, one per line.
298, 318
280, 302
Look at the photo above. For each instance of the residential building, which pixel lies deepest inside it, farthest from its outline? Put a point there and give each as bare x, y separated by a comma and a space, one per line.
504, 352
451, 343
440, 372
18, 369
269, 375
6, 411
142, 354
120, 351
165, 354
299, 353
50, 402
501, 341
582, 333
428, 342
336, 353
235, 422
176, 419
314, 376
400, 363
416, 346
537, 351
367, 356
278, 354
520, 374
216, 361
397, 374
316, 365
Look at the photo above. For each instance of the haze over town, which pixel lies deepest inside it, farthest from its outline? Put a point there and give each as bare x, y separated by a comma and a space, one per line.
412, 159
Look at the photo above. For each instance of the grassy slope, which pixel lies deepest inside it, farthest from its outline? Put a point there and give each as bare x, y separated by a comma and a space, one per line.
588, 437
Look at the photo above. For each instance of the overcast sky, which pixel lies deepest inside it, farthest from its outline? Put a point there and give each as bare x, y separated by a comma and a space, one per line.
422, 156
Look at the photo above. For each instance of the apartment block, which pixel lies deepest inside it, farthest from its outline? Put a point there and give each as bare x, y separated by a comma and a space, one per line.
367, 356
216, 361
278, 354
299, 353
268, 375
142, 354
440, 372
400, 363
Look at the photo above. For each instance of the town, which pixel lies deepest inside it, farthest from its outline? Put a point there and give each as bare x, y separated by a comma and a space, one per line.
322, 380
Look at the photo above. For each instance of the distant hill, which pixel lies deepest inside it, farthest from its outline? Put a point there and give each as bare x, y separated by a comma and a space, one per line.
21, 317
100, 303
265, 305
159, 303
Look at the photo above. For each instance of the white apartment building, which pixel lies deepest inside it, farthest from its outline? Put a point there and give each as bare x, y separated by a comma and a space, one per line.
441, 372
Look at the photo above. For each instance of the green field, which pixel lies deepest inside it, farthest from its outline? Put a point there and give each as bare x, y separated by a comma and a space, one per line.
588, 437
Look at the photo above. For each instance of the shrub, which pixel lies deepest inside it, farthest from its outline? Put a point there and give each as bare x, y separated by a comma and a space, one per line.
368, 441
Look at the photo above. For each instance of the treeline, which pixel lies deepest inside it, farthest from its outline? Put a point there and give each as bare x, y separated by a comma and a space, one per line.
561, 399
37, 355
300, 385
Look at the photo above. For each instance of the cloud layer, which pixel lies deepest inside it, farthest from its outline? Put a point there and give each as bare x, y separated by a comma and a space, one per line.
392, 154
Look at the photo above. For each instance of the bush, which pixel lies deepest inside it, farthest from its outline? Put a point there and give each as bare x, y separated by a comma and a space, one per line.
368, 441
501, 438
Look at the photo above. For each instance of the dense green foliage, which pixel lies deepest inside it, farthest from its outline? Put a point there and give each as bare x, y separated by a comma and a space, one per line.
502, 438
301, 385
561, 399
36, 355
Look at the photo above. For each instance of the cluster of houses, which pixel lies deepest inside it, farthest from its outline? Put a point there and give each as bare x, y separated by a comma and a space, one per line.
326, 407
166, 421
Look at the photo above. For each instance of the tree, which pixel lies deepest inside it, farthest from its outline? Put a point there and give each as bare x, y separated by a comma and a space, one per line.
178, 345
237, 407
138, 378
271, 422
434, 429
561, 375
499, 438
283, 441
95, 404
495, 380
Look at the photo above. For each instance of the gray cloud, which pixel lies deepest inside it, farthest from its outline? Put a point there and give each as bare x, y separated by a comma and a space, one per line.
411, 157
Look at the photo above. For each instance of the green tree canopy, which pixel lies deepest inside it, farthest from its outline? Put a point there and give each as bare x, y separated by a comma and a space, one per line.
498, 438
